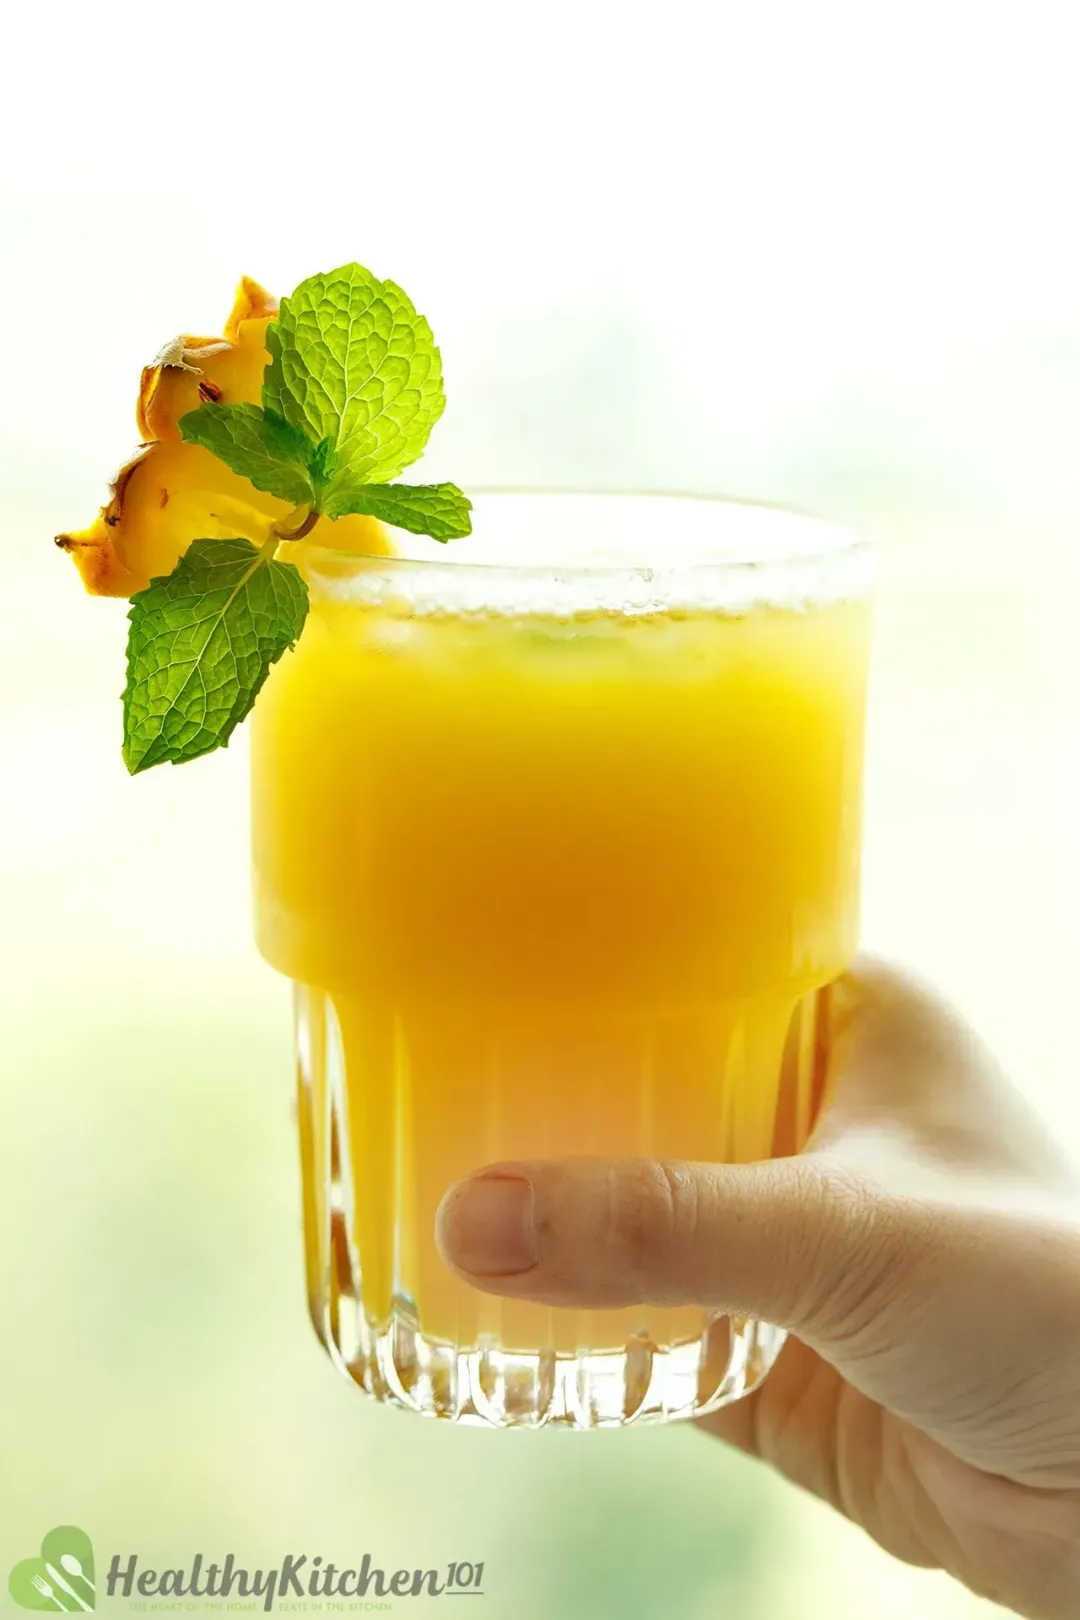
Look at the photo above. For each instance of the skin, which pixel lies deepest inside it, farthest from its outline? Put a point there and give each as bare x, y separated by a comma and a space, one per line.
924, 1254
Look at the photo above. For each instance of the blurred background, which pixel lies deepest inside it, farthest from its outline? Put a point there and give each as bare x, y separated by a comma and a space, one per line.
821, 254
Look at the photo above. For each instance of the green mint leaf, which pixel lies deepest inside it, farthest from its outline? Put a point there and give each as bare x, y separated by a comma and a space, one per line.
322, 467
351, 361
440, 510
259, 445
200, 646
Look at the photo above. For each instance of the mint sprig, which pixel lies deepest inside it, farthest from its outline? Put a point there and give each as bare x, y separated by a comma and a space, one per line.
201, 645
349, 399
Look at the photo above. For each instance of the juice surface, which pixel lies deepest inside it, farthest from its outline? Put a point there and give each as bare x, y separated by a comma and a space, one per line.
554, 885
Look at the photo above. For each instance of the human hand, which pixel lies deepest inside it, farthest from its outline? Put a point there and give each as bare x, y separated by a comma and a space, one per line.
924, 1252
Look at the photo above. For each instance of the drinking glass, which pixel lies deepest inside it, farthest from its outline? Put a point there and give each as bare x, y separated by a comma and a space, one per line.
556, 833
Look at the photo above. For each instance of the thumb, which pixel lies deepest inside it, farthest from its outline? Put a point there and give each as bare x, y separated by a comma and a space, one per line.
801, 1243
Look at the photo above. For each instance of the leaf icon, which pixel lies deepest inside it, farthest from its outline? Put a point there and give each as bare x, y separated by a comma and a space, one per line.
61, 1578
23, 1584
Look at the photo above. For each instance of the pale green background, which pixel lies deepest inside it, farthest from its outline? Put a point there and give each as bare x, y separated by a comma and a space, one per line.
823, 254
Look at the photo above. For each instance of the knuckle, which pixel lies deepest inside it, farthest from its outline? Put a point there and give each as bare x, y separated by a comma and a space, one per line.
859, 1260
652, 1210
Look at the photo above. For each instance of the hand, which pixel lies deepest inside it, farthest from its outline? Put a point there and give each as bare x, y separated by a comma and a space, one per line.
924, 1252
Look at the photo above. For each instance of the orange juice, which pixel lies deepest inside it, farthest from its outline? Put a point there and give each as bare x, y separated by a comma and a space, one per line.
557, 863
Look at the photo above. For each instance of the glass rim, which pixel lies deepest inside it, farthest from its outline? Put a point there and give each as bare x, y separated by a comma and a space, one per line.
845, 545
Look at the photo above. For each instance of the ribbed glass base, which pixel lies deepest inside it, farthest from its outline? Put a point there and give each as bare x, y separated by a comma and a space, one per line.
394, 1362
380, 1144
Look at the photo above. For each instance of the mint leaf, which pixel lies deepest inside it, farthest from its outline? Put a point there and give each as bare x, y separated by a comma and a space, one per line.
323, 466
440, 510
200, 646
351, 361
259, 445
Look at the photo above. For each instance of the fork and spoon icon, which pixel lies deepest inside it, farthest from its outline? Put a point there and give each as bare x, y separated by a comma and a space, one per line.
71, 1566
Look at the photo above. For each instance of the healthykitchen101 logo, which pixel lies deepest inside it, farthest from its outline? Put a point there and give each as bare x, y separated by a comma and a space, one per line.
62, 1577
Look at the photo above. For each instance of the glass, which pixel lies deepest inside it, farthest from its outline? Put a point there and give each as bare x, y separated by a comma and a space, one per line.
559, 859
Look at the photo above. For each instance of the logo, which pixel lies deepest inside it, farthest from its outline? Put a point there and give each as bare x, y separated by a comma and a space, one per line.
61, 1577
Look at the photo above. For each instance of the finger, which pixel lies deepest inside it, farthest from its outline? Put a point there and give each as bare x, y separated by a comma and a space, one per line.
789, 1420
815, 1429
910, 1085
795, 1241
